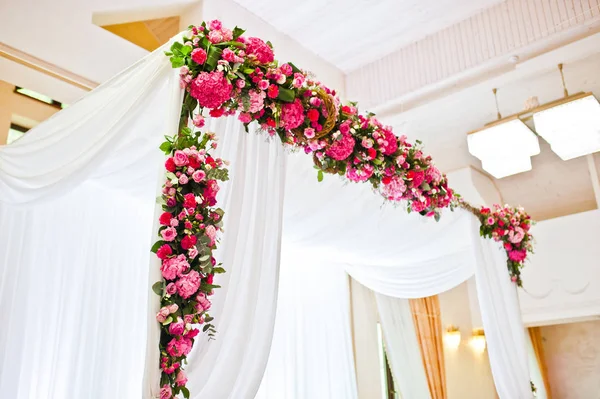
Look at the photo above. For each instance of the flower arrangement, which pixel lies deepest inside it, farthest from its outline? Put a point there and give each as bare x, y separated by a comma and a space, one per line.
188, 229
225, 73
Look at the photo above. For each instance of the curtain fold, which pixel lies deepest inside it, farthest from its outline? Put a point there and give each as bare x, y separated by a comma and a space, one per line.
427, 320
535, 334
402, 347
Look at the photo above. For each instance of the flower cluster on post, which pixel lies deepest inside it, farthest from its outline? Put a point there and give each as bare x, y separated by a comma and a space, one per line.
188, 232
225, 73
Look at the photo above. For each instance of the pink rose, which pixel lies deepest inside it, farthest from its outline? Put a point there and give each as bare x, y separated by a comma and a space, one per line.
240, 83
165, 392
177, 328
516, 236
188, 284
179, 346
173, 308
203, 303
180, 158
286, 69
298, 80
192, 252
198, 121
181, 379
198, 176
263, 84
160, 317
199, 56
183, 179
189, 200
490, 221
188, 318
168, 234
171, 289
309, 133
188, 241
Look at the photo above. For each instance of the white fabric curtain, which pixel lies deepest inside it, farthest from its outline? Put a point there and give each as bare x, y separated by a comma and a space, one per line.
76, 215
402, 347
232, 366
311, 356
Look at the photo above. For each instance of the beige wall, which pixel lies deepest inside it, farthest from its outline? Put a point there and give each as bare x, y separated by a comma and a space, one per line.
573, 359
468, 374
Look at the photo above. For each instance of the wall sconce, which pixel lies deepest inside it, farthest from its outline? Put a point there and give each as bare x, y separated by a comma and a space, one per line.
452, 337
477, 342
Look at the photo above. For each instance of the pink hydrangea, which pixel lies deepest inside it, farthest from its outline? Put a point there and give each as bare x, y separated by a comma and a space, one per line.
517, 256
394, 190
359, 174
292, 115
220, 35
257, 99
188, 284
390, 144
341, 148
173, 267
433, 175
211, 89
259, 49
199, 56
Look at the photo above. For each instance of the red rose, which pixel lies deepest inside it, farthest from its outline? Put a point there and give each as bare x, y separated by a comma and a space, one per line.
189, 201
507, 246
217, 112
194, 162
500, 223
271, 122
210, 161
188, 242
313, 115
372, 153
485, 211
170, 165
386, 180
164, 251
165, 219
209, 278
273, 91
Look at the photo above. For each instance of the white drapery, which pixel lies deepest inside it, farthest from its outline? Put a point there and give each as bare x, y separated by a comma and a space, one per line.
402, 347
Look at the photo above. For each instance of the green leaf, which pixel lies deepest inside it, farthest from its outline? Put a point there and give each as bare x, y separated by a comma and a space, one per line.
168, 321
237, 32
218, 270
204, 258
177, 62
168, 53
157, 244
214, 55
185, 50
425, 186
437, 217
185, 392
208, 319
205, 328
248, 71
320, 176
295, 69
287, 95
230, 44
166, 147
158, 288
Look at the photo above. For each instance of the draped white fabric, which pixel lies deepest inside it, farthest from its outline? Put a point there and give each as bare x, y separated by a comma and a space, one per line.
76, 212
311, 356
402, 347
244, 309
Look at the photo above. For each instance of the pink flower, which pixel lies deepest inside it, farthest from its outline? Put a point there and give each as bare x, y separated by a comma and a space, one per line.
189, 200
359, 174
514, 279
259, 49
245, 118
211, 89
216, 36
240, 83
198, 176
180, 158
160, 317
165, 392
286, 69
273, 91
203, 303
177, 328
171, 288
188, 242
395, 189
263, 84
168, 234
298, 80
199, 56
188, 318
490, 221
165, 218
417, 177
173, 267
433, 174
516, 236
192, 252
179, 346
183, 179
342, 148
215, 24
309, 133
418, 206
517, 255
198, 121
188, 284
181, 379
390, 143
211, 233
164, 251
292, 115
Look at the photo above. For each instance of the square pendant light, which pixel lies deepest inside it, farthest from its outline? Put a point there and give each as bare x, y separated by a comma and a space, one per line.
504, 147
572, 127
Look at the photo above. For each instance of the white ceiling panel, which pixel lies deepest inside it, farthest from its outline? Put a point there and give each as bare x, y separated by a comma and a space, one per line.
352, 33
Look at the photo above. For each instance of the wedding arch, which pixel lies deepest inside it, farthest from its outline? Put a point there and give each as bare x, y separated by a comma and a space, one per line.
224, 73
77, 215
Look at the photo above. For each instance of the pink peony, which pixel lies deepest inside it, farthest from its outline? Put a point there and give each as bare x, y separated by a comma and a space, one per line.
165, 392
164, 251
203, 303
199, 56
342, 148
179, 346
211, 89
260, 50
188, 284
177, 328
517, 256
211, 233
180, 158
168, 234
292, 115
181, 379
390, 143
516, 236
173, 267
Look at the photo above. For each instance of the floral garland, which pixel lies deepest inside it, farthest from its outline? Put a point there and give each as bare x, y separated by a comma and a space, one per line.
224, 73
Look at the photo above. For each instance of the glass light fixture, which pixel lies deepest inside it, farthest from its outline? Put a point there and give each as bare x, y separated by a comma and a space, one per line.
571, 125
505, 147
452, 337
477, 342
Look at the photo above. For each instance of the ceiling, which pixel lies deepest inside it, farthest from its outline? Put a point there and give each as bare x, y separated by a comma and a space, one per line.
150, 34
350, 34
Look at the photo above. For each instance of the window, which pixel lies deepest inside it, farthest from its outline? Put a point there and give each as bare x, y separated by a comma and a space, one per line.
38, 97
